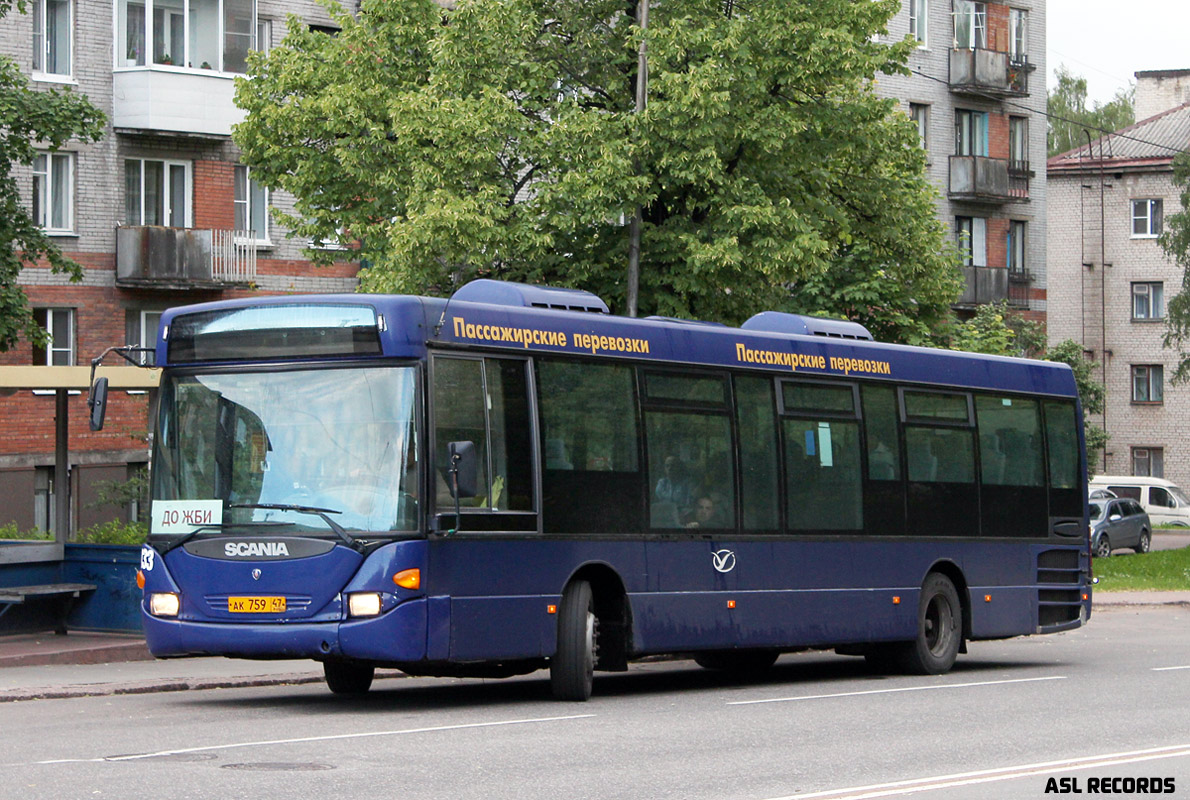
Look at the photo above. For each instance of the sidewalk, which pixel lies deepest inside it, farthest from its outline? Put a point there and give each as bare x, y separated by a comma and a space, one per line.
39, 666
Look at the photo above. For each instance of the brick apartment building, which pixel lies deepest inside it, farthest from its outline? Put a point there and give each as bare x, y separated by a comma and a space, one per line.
159, 213
977, 93
1112, 279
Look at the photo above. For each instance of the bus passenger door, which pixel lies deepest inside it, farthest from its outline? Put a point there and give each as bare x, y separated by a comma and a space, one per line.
481, 592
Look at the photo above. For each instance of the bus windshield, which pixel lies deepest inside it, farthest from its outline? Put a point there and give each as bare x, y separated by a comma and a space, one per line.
340, 440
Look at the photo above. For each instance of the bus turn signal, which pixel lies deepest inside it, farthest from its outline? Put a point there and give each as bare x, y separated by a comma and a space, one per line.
408, 578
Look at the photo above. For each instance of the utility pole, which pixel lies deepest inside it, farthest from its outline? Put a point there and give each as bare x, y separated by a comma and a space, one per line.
642, 88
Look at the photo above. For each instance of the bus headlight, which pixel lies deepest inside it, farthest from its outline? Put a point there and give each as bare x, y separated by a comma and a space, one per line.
164, 604
363, 604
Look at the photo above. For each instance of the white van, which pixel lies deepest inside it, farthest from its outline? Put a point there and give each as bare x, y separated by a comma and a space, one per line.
1165, 502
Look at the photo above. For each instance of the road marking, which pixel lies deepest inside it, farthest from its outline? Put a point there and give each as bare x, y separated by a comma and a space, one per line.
892, 691
305, 739
992, 775
1167, 669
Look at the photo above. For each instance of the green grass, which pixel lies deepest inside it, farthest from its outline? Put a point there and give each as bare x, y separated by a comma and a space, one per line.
1166, 570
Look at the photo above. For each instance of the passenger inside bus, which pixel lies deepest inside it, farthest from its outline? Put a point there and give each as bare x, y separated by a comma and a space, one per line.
705, 514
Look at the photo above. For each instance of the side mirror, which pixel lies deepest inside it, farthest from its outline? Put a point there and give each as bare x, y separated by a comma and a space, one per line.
97, 402
463, 469
1114, 517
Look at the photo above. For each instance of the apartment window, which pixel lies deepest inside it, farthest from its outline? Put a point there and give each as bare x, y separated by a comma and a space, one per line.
59, 324
1147, 380
252, 200
140, 330
1016, 247
920, 114
53, 192
1146, 218
1148, 300
1148, 461
970, 133
971, 235
970, 25
919, 21
52, 37
1018, 143
156, 192
197, 34
43, 498
1018, 34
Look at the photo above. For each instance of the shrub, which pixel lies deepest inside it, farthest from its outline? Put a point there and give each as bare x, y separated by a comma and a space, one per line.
114, 532
10, 531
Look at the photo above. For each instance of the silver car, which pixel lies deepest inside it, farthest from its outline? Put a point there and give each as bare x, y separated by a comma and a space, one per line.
1119, 522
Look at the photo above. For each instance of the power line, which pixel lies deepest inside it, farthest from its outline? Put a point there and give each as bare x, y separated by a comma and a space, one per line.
1048, 115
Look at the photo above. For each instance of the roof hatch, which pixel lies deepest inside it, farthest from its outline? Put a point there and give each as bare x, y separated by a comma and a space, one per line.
780, 322
507, 293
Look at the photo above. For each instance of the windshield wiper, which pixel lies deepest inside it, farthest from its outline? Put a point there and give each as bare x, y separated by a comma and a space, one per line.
338, 529
171, 544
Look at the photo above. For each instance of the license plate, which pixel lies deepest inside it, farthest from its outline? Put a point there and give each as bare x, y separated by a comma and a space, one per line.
255, 605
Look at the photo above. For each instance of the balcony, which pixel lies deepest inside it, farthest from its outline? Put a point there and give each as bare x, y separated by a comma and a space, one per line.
1019, 282
174, 100
156, 257
978, 179
989, 72
1018, 179
983, 285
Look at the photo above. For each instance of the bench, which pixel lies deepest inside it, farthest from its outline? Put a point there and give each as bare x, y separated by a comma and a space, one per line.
64, 593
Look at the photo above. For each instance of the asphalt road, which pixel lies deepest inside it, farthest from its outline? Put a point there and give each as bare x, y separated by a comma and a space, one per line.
1107, 702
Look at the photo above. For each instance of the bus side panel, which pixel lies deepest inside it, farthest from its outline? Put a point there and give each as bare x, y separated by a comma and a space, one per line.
1009, 612
499, 590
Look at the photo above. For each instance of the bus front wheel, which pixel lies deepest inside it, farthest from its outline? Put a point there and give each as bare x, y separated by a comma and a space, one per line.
343, 677
572, 668
939, 629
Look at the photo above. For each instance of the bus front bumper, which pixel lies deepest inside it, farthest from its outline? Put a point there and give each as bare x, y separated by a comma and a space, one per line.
396, 636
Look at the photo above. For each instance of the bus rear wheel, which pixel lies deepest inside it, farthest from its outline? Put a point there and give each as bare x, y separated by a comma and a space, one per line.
344, 677
939, 629
572, 669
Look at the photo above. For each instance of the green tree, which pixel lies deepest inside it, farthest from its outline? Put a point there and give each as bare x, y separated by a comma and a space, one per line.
498, 138
1175, 241
1069, 115
29, 119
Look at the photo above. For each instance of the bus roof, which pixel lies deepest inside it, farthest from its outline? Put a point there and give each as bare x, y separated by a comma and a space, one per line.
406, 326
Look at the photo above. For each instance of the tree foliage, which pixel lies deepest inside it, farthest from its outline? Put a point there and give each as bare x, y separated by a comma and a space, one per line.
1069, 115
31, 119
498, 138
1175, 241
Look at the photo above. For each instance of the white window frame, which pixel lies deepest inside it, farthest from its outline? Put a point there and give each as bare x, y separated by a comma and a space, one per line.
167, 207
1015, 250
920, 114
42, 41
1018, 142
1149, 459
55, 317
147, 322
919, 22
1148, 297
1143, 212
1152, 378
970, 132
1018, 34
973, 17
245, 203
146, 58
46, 173
971, 236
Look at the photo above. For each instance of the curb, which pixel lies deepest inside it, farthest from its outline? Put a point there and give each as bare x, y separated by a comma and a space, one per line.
153, 687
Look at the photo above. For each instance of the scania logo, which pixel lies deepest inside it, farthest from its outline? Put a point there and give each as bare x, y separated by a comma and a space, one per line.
723, 560
256, 574
255, 549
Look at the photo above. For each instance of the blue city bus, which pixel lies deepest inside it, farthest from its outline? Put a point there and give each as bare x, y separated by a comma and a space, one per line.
514, 479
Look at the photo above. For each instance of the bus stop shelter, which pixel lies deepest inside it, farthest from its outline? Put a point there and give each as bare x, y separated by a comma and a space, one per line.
62, 381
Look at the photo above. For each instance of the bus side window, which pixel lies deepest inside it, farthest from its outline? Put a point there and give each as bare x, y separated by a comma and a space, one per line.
485, 402
823, 475
756, 420
590, 476
459, 416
